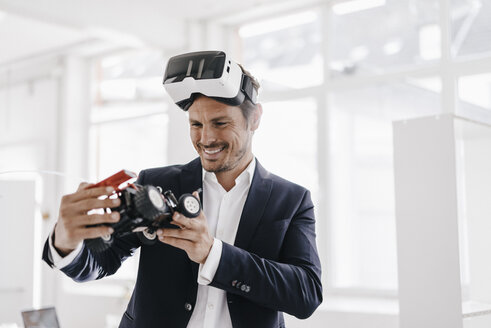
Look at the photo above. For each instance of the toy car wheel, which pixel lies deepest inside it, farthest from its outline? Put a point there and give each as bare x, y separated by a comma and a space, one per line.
150, 203
189, 206
147, 238
99, 244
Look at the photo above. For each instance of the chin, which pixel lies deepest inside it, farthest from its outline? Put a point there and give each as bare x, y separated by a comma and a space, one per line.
214, 167
210, 166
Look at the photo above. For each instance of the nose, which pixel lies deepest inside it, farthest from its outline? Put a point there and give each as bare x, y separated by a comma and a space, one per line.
208, 135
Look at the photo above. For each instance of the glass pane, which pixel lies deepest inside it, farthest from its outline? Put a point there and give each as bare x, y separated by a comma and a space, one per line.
376, 36
133, 144
362, 184
128, 110
133, 75
475, 97
285, 52
470, 27
473, 149
286, 141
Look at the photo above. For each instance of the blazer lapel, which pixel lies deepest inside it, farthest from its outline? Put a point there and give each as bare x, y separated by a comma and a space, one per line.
191, 177
191, 180
257, 199
254, 206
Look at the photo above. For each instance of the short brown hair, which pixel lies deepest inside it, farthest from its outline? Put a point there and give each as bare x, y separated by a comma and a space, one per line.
247, 107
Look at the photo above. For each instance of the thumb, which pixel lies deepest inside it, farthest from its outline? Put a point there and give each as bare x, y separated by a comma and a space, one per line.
196, 194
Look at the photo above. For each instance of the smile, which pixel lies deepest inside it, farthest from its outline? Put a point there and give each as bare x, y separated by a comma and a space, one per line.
213, 151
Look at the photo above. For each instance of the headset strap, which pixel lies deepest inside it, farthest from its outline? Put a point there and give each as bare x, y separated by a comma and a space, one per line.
248, 89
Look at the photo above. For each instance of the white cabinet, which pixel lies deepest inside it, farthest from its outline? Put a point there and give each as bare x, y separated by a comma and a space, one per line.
17, 242
443, 212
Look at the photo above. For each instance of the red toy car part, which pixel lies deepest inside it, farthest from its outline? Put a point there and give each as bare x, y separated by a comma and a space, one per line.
116, 180
143, 210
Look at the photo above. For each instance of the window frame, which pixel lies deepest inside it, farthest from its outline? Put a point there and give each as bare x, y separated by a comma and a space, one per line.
448, 68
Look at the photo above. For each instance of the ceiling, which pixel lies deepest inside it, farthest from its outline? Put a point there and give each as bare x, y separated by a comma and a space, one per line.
29, 28
22, 37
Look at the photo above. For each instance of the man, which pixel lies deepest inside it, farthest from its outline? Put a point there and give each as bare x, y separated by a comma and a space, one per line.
249, 256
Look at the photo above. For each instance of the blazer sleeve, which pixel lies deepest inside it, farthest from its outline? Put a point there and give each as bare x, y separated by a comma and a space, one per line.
89, 265
292, 284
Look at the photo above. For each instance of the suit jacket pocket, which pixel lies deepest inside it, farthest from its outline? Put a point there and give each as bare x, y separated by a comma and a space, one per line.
126, 321
128, 316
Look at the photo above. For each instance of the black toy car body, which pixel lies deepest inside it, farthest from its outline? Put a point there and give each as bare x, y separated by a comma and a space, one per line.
143, 210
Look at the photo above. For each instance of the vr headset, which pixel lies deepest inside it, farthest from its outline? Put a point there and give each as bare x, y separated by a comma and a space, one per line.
209, 73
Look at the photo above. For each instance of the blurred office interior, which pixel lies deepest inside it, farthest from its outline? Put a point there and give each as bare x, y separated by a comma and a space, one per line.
344, 84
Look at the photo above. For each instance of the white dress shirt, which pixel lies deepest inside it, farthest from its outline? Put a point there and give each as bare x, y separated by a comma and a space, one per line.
223, 211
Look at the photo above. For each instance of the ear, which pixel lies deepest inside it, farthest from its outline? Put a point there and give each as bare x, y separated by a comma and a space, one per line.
256, 117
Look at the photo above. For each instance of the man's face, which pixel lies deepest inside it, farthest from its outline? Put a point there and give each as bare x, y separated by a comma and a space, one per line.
220, 134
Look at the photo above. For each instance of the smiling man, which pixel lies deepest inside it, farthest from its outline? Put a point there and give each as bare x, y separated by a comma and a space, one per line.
251, 253
222, 136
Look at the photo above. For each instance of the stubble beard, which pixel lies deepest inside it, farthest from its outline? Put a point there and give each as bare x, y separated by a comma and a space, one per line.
227, 165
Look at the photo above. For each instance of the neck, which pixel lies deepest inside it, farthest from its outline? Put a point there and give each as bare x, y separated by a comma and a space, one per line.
227, 179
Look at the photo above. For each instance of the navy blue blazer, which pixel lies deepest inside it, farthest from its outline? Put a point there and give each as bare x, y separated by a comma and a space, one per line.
273, 266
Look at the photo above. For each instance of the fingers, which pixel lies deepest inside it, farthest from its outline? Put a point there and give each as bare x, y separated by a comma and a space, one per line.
75, 226
84, 192
196, 194
84, 185
177, 242
184, 222
95, 232
177, 233
190, 228
181, 221
69, 234
86, 205
73, 220
92, 219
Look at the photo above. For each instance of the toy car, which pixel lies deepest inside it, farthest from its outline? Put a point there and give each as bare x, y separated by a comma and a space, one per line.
143, 210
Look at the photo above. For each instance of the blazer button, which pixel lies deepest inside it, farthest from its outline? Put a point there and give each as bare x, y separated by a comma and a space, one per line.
188, 306
238, 284
248, 289
243, 288
234, 283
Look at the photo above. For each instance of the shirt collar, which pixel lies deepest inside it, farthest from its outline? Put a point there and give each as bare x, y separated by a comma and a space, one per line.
248, 174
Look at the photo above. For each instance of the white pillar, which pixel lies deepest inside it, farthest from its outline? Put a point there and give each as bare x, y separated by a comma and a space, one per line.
427, 223
74, 113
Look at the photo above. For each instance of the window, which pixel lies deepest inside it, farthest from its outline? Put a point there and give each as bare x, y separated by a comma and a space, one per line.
286, 142
470, 27
388, 35
128, 120
128, 130
131, 143
284, 51
474, 96
334, 135
363, 254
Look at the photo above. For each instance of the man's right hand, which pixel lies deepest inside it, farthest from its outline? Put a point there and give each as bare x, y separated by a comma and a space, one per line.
71, 228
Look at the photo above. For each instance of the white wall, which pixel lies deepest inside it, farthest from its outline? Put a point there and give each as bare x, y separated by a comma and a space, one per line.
17, 244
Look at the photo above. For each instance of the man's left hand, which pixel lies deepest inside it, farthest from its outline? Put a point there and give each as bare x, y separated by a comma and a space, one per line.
193, 237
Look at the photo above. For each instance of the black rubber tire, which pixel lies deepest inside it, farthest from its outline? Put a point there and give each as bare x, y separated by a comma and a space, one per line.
189, 206
144, 204
99, 244
145, 240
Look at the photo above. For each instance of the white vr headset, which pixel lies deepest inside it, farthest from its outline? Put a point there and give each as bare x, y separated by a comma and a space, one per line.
209, 73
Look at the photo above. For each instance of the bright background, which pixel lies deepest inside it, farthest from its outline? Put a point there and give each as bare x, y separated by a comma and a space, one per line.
81, 98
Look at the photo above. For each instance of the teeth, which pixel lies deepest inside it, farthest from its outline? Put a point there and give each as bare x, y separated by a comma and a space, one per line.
208, 151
